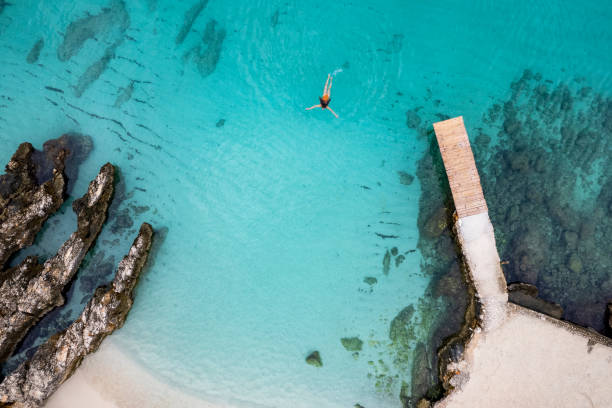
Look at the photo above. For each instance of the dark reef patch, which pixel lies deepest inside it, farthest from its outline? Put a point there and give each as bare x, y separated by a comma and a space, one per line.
405, 178
190, 17
124, 94
35, 51
93, 72
92, 27
314, 359
548, 183
106, 27
274, 18
206, 55
352, 343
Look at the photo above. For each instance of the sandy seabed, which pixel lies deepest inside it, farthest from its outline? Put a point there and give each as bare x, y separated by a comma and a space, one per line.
111, 379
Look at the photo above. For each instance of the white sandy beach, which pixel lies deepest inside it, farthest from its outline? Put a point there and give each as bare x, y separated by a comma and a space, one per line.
111, 379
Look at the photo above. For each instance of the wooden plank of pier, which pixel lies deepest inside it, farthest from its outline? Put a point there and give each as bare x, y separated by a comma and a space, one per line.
460, 167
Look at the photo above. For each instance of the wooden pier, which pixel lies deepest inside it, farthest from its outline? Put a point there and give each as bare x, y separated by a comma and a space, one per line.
460, 167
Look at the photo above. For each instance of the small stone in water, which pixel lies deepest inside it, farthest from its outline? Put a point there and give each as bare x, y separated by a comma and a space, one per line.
314, 359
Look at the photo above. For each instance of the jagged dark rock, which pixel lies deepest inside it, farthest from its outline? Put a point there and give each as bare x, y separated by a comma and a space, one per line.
526, 295
25, 203
54, 362
71, 148
30, 290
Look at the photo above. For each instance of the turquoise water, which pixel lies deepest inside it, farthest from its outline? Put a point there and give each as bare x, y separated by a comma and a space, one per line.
274, 215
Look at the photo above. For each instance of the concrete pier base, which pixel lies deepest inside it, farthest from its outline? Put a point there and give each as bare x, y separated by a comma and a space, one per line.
533, 361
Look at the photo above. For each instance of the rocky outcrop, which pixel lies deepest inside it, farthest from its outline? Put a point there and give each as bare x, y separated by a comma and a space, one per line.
30, 290
71, 148
54, 362
25, 204
34, 187
526, 295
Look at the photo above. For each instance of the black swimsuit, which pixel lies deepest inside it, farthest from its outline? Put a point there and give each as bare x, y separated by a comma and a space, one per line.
324, 102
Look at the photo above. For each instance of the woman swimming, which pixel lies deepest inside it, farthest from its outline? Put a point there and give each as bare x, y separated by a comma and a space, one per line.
325, 99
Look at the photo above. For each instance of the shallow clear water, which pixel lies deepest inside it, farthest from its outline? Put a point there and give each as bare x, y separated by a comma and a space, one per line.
272, 214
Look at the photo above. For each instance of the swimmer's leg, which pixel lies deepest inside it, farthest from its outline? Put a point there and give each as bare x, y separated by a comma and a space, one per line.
329, 88
314, 106
326, 83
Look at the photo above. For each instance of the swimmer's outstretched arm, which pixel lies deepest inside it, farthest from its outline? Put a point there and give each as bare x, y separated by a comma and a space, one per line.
330, 109
312, 107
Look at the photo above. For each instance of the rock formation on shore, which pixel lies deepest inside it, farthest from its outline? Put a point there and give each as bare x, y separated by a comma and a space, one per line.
24, 203
32, 189
54, 362
30, 290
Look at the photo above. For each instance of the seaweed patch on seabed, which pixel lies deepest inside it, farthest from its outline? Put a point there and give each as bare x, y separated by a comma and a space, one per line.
111, 23
35, 51
190, 17
93, 72
206, 58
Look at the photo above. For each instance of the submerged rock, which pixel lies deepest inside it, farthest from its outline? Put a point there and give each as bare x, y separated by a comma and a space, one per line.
33, 382
25, 204
95, 70
190, 17
91, 27
422, 373
386, 262
399, 260
574, 263
35, 51
314, 359
207, 54
413, 120
352, 343
124, 94
437, 224
30, 290
405, 178
400, 330
370, 280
